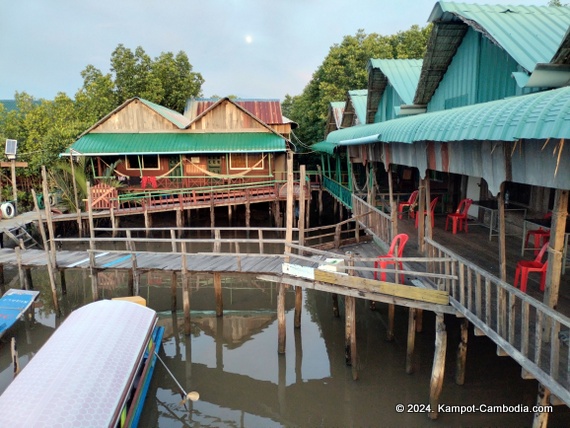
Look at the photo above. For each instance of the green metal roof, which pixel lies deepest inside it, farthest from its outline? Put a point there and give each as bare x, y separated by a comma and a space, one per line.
403, 75
173, 116
324, 147
163, 143
530, 34
539, 115
358, 100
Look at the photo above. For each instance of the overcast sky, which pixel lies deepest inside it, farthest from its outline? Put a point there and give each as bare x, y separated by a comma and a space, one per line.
248, 48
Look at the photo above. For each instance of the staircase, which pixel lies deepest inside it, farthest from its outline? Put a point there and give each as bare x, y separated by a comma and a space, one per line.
21, 236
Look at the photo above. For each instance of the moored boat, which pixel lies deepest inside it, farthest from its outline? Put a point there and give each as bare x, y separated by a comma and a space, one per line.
13, 304
94, 370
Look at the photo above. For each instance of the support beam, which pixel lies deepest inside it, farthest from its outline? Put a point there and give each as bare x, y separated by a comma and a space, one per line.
438, 369
462, 353
411, 340
543, 399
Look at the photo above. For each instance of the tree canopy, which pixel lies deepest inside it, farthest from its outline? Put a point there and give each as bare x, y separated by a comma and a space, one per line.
46, 128
344, 69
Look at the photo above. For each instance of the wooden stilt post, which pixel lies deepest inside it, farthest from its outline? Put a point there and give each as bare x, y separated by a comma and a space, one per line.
336, 311
393, 206
48, 253
462, 353
502, 240
49, 221
147, 220
247, 210
113, 222
419, 320
229, 214
290, 203
391, 315
540, 419
18, 252
185, 290
438, 369
350, 325
63, 281
281, 327
134, 269
92, 269
218, 293
173, 302
15, 358
411, 340
302, 184
298, 306
212, 214
179, 222
75, 194
421, 214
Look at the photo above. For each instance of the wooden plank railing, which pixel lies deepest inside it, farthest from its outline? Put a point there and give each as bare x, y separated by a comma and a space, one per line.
340, 192
376, 221
533, 334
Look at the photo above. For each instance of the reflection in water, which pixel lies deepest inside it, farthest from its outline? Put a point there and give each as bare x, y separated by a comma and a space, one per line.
232, 361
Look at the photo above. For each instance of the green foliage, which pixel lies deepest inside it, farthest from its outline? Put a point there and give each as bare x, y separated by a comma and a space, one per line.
167, 80
61, 177
344, 69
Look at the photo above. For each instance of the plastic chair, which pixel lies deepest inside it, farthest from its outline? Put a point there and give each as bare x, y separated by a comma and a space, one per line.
381, 262
524, 267
409, 204
459, 216
539, 236
431, 211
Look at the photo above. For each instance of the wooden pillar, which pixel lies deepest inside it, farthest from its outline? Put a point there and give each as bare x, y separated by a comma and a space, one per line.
462, 353
393, 206
438, 369
147, 220
302, 184
419, 320
185, 290
46, 249
179, 221
49, 221
247, 211
391, 315
502, 241
350, 325
298, 306
411, 340
14, 185
556, 248
113, 222
212, 214
281, 327
92, 269
421, 214
134, 269
229, 214
63, 281
173, 297
540, 419
218, 293
290, 203
336, 311
75, 194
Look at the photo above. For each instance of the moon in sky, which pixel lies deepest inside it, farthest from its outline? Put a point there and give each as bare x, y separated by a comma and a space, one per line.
248, 39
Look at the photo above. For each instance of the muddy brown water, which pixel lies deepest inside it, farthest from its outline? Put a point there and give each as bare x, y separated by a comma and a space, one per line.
233, 363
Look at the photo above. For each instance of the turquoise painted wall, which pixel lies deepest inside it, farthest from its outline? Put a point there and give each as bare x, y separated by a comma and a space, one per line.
479, 72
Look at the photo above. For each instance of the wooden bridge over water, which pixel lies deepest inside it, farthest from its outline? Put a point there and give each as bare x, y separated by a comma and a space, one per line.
524, 328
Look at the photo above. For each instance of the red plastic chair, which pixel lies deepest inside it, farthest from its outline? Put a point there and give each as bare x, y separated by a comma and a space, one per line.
539, 236
409, 204
524, 267
381, 262
431, 211
459, 216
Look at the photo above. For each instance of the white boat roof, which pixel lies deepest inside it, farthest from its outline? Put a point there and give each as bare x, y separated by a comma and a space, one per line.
81, 374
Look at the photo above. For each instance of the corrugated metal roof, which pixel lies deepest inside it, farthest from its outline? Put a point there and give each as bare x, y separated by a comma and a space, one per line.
334, 118
171, 143
324, 147
402, 74
540, 115
530, 34
358, 99
266, 110
171, 115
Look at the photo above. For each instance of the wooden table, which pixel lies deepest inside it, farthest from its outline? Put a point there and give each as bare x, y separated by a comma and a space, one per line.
492, 207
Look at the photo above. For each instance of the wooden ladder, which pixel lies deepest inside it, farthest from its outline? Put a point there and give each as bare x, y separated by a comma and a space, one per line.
19, 233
